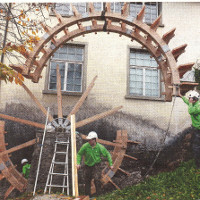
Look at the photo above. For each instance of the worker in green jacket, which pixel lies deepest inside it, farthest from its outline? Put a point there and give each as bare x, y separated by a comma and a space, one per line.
194, 111
26, 168
92, 152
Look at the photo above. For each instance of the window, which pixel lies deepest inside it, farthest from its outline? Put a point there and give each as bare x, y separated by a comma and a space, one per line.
151, 10
144, 76
98, 6
70, 59
66, 10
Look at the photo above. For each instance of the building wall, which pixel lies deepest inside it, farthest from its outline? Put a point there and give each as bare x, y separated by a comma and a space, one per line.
108, 57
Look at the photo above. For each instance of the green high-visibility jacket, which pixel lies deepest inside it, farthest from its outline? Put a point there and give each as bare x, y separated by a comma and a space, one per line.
194, 111
93, 154
26, 170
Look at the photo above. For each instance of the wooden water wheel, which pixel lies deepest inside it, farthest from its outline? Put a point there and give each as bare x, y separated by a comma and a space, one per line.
120, 23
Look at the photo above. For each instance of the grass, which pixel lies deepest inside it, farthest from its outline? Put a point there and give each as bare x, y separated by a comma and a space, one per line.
180, 184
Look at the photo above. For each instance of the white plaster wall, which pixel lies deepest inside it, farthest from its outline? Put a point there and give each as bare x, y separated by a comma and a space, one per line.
107, 57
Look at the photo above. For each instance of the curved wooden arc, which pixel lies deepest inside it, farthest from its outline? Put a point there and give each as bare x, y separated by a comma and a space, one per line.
125, 24
7, 169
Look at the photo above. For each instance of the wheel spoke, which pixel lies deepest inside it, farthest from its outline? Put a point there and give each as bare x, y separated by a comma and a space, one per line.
97, 117
82, 99
23, 121
59, 95
42, 108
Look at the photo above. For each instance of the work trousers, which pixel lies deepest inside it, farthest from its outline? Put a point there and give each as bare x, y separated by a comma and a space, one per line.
196, 146
93, 172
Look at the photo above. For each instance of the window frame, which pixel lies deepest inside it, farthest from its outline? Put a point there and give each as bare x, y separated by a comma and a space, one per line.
131, 96
83, 82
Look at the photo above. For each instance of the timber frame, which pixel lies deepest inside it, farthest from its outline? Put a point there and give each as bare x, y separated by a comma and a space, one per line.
123, 24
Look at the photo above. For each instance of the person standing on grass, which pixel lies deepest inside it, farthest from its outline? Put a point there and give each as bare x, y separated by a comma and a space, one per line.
92, 152
194, 111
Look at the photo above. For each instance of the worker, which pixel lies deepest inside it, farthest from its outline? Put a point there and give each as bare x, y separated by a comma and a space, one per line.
92, 152
26, 168
194, 111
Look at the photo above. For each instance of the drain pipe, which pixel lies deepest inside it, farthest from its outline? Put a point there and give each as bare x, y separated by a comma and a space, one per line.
6, 31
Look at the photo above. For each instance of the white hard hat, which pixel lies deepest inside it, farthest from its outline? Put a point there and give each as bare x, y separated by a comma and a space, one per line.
92, 135
193, 93
23, 161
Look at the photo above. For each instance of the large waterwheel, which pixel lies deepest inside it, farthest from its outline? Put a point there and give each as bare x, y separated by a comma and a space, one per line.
123, 24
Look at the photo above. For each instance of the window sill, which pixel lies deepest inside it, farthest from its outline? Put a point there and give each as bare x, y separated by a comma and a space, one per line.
63, 93
145, 98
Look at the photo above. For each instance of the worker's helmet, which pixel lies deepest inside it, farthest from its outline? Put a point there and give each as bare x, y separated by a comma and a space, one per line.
92, 135
193, 94
24, 161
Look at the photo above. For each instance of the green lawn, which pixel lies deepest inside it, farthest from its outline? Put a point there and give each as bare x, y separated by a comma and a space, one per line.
182, 183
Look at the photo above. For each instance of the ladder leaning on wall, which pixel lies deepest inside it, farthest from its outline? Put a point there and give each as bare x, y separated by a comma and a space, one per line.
64, 165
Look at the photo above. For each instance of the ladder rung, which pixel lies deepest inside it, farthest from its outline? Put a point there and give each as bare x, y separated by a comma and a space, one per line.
52, 173
57, 186
60, 163
59, 152
61, 142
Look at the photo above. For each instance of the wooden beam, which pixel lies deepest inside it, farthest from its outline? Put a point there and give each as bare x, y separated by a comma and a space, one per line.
124, 10
108, 9
125, 172
82, 99
59, 95
23, 121
75, 11
156, 23
104, 142
184, 68
41, 107
91, 7
125, 155
169, 35
178, 51
21, 146
114, 184
10, 189
97, 117
1, 176
140, 15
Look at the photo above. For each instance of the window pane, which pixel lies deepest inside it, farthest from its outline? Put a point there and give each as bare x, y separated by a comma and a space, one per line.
151, 12
144, 77
135, 8
53, 78
116, 7
81, 7
98, 6
63, 9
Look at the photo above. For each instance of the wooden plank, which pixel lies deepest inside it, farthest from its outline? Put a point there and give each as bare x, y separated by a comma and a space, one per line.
74, 161
10, 189
169, 35
156, 23
82, 99
97, 117
124, 10
1, 176
104, 142
41, 107
23, 121
140, 15
91, 7
125, 172
114, 184
21, 146
178, 51
184, 68
125, 155
59, 95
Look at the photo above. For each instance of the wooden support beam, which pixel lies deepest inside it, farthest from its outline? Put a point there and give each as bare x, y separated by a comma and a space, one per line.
21, 146
178, 51
58, 16
105, 142
1, 176
23, 121
169, 35
184, 68
114, 184
125, 172
108, 9
140, 15
91, 7
124, 10
42, 108
59, 94
133, 158
97, 117
10, 189
156, 23
82, 99
75, 11
94, 23
134, 142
